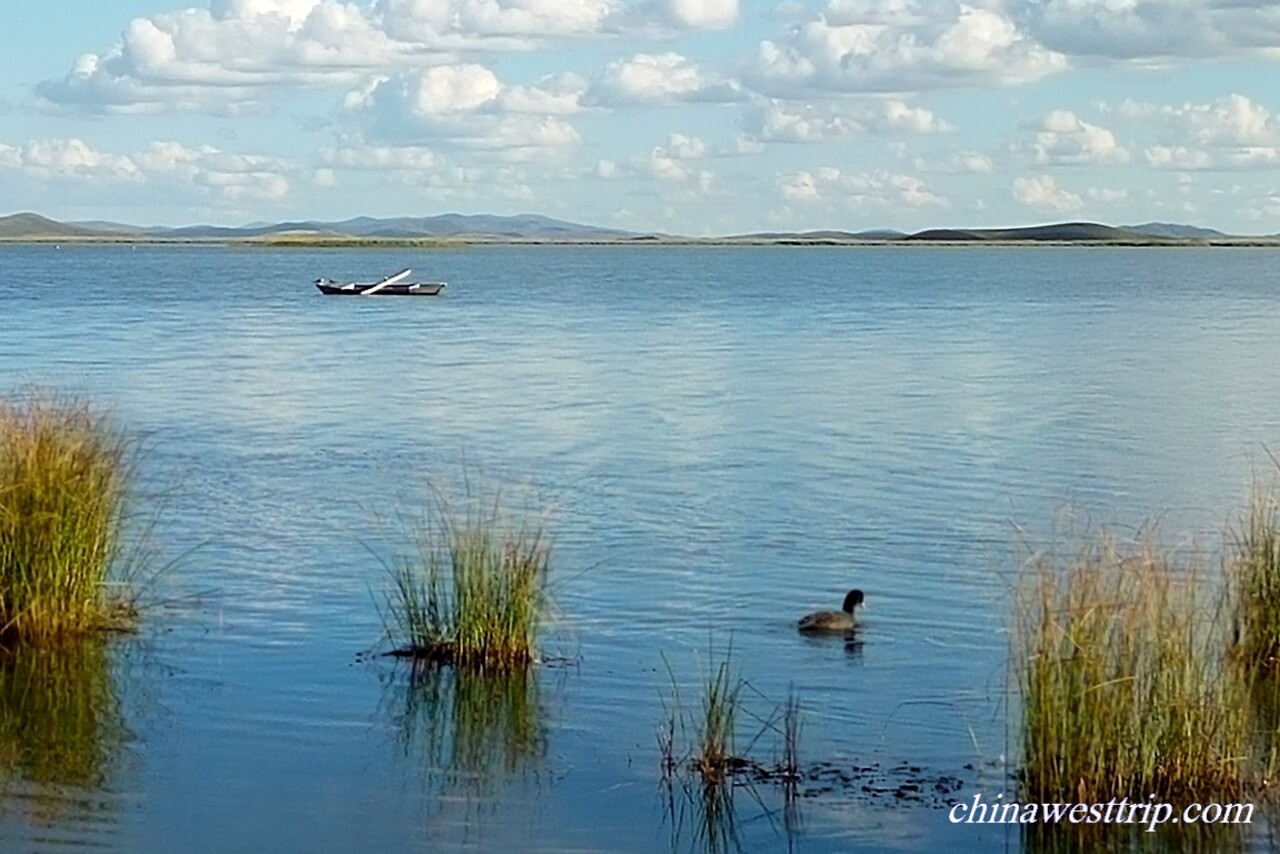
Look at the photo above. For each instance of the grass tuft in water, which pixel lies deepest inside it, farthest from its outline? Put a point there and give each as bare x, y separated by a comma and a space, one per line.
475, 592
66, 477
710, 731
1120, 655
1255, 573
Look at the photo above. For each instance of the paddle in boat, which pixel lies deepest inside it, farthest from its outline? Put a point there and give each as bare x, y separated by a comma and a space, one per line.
390, 286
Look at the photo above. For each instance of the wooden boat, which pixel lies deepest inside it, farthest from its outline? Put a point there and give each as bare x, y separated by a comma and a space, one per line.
389, 286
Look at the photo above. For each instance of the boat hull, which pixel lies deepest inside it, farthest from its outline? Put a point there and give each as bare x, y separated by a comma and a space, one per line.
420, 289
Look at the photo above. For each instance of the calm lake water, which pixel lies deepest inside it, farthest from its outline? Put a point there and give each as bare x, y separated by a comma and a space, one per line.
730, 438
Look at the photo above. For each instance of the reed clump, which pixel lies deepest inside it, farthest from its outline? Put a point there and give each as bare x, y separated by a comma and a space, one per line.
1255, 575
1121, 656
474, 592
710, 732
66, 478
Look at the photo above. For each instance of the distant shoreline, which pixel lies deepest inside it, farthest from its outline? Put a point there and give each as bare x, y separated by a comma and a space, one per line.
465, 242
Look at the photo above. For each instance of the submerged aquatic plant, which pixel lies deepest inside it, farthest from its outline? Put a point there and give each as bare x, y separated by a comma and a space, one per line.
1121, 659
66, 479
475, 592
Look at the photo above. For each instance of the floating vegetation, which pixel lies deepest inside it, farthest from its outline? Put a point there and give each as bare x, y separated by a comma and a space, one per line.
66, 481
1120, 654
475, 592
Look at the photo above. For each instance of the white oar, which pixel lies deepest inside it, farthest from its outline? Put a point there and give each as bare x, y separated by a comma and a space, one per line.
389, 280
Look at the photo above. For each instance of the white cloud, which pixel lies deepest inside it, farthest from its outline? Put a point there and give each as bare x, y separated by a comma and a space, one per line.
956, 163
202, 59
972, 161
454, 183
379, 158
684, 147
670, 162
1232, 132
663, 78
778, 121
1178, 157
798, 187
897, 115
1043, 193
901, 45
1147, 30
1062, 139
427, 22
70, 160
467, 106
208, 170
775, 120
704, 14
230, 56
874, 190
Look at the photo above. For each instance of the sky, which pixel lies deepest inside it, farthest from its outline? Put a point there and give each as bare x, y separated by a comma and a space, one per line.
685, 116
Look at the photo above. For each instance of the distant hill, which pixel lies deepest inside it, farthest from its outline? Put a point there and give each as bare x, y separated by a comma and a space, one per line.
535, 227
1176, 231
822, 235
1062, 231
23, 225
522, 226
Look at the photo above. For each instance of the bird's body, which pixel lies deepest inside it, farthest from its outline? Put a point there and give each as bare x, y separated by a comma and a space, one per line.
833, 621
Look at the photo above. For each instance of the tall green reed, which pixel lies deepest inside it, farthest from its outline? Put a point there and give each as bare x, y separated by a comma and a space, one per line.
67, 473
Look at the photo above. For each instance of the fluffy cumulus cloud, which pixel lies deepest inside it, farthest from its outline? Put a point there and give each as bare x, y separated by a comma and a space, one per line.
1043, 193
68, 160
902, 45
209, 171
662, 78
704, 14
877, 190
1232, 132
467, 106
776, 120
224, 57
1063, 139
671, 162
1147, 30
202, 58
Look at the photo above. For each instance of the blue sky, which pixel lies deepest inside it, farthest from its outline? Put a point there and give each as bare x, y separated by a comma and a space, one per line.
687, 116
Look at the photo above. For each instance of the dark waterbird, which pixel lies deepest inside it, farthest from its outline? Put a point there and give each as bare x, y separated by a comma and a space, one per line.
833, 621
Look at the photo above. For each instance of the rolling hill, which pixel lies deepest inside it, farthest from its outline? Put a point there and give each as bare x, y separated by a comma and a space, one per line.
535, 227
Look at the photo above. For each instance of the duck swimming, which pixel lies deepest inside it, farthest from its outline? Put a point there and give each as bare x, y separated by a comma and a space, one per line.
833, 621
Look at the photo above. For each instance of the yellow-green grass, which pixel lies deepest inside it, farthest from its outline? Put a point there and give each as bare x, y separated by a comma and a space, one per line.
66, 477
703, 740
1255, 573
475, 591
1121, 657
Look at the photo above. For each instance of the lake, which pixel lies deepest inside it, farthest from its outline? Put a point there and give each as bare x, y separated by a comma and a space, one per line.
729, 438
